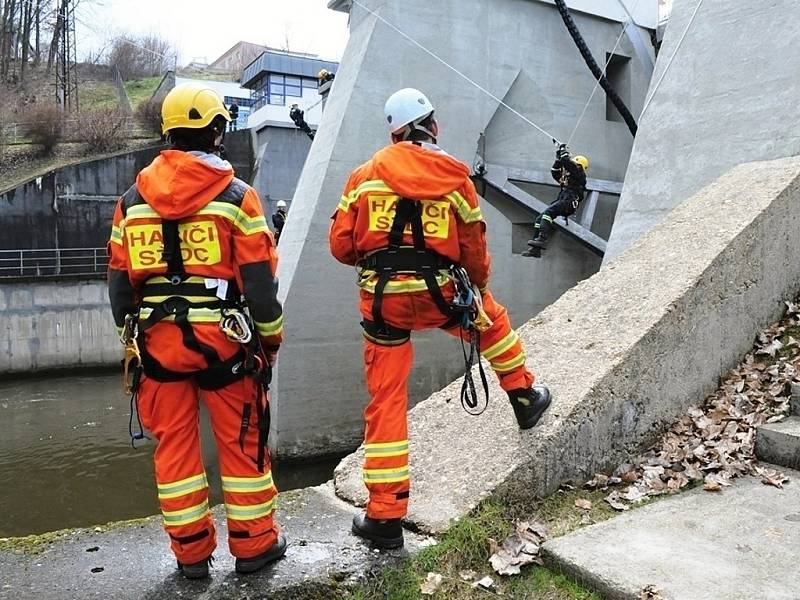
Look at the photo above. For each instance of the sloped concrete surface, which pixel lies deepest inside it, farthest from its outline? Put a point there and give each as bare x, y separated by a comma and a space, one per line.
779, 443
624, 353
135, 562
740, 544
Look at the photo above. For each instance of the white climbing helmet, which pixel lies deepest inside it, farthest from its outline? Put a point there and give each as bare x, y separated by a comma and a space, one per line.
406, 107
281, 203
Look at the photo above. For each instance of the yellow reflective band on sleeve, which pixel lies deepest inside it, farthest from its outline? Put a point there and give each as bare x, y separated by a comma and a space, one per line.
509, 365
503, 345
195, 483
467, 214
547, 218
369, 280
176, 518
386, 475
345, 202
242, 485
116, 235
239, 512
272, 328
196, 315
386, 449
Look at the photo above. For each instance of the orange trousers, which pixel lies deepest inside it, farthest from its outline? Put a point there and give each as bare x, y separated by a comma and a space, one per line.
170, 411
387, 369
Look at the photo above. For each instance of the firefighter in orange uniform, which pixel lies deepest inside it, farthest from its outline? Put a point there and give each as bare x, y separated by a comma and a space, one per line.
188, 241
405, 218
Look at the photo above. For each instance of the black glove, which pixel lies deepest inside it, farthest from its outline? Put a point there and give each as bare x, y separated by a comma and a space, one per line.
562, 152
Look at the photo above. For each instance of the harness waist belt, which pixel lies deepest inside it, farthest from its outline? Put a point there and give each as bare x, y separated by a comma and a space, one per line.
405, 259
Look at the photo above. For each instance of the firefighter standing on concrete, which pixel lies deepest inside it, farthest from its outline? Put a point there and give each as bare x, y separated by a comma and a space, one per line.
405, 217
570, 173
188, 240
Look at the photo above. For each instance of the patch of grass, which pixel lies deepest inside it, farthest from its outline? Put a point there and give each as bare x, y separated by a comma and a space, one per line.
140, 90
465, 546
94, 95
787, 352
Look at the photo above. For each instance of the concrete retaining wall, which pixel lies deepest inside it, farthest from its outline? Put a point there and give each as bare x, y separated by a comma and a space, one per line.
624, 352
69, 207
56, 325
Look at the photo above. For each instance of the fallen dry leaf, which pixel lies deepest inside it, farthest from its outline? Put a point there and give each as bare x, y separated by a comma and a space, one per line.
486, 583
650, 592
772, 477
468, 575
432, 583
583, 503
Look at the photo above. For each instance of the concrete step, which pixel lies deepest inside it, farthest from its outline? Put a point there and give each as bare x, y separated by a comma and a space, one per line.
739, 544
779, 443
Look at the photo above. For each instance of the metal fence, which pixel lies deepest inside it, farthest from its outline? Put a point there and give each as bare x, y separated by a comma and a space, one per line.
52, 263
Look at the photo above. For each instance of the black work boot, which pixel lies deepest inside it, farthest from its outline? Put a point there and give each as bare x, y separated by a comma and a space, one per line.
251, 565
533, 252
540, 242
385, 534
529, 405
198, 570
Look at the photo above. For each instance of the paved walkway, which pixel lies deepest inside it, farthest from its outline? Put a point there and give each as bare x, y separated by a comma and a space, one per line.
740, 544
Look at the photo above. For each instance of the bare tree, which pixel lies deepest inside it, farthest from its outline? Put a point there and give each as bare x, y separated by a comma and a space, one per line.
143, 56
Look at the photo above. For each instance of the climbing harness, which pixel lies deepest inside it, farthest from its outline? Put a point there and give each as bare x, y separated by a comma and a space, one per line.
132, 374
465, 310
177, 297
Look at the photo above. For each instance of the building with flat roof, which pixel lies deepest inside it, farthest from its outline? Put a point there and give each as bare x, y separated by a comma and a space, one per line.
238, 56
278, 79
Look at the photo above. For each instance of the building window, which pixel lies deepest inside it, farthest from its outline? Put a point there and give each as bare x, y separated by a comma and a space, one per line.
618, 74
279, 90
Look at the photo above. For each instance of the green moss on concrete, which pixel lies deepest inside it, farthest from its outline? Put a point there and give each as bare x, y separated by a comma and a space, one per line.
36, 544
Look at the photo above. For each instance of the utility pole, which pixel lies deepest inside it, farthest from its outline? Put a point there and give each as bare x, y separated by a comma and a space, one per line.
67, 60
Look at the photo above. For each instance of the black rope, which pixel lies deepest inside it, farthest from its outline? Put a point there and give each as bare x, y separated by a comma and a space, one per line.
594, 67
469, 395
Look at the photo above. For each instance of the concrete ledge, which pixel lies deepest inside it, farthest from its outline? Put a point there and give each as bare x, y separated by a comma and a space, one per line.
779, 443
739, 544
134, 561
624, 352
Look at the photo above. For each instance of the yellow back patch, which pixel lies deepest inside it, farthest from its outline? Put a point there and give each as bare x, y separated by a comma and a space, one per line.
435, 215
199, 244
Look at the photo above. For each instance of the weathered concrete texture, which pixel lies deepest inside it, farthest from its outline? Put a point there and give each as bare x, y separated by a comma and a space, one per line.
241, 149
779, 443
624, 352
136, 563
70, 207
727, 99
54, 325
740, 544
282, 152
520, 51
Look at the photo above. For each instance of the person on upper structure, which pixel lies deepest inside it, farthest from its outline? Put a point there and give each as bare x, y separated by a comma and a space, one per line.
297, 115
408, 218
279, 219
570, 173
234, 112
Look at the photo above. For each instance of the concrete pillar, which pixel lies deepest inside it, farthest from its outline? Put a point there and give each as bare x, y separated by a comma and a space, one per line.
518, 49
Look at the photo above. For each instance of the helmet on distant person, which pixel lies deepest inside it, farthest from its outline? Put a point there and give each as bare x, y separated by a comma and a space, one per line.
281, 204
582, 161
191, 106
406, 108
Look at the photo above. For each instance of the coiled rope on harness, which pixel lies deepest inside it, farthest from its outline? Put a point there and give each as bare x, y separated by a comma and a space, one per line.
594, 67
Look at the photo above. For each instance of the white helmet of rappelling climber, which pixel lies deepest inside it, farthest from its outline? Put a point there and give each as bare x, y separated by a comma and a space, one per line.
405, 110
281, 204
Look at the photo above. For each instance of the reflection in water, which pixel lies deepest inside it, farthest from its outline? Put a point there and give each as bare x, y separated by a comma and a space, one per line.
66, 458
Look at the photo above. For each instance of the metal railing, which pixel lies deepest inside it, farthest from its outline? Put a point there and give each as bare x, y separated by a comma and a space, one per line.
52, 263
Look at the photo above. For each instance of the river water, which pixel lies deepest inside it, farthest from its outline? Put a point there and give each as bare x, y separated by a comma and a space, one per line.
66, 458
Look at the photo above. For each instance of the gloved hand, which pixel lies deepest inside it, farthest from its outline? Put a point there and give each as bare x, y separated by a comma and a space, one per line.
562, 152
271, 354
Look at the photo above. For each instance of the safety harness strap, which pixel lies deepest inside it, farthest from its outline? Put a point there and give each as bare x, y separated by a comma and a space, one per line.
172, 251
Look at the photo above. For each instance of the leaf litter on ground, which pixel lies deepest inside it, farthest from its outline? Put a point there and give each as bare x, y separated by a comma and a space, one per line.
518, 549
715, 443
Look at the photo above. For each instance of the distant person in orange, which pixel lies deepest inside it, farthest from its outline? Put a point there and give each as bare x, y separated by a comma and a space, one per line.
192, 282
406, 218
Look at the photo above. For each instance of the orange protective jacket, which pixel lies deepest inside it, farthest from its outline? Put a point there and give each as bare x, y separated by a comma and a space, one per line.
451, 217
223, 237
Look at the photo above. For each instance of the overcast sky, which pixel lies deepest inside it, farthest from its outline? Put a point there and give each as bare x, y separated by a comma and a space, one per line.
203, 29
